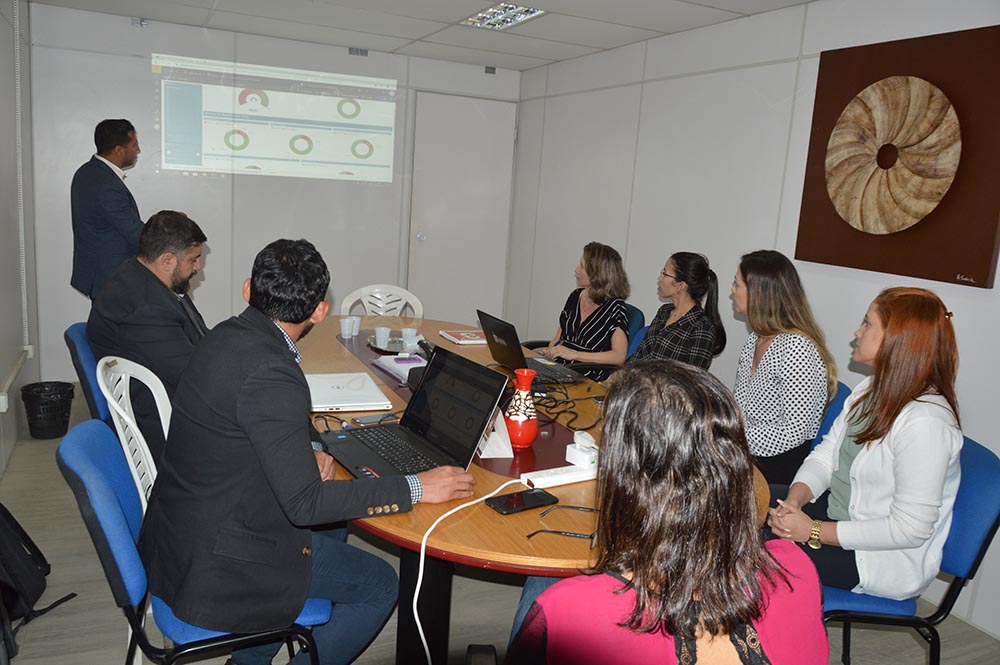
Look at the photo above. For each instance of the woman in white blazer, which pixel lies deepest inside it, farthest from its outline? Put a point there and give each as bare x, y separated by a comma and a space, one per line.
891, 459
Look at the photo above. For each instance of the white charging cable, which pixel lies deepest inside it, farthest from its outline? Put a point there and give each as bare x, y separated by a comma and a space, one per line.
423, 556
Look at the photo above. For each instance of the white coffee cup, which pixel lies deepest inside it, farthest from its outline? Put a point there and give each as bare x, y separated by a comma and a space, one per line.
382, 336
346, 329
355, 324
409, 337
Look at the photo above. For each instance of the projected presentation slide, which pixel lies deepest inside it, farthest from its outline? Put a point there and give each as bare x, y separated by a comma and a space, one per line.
226, 117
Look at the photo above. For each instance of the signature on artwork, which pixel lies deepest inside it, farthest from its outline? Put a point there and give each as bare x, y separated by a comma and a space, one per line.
965, 278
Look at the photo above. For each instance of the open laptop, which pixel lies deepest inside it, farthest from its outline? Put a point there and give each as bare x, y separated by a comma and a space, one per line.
442, 425
346, 392
505, 347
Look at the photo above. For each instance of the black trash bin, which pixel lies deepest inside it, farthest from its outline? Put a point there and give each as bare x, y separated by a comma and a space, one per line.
47, 406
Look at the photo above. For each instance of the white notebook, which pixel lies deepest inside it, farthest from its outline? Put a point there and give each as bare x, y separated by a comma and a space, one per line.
346, 392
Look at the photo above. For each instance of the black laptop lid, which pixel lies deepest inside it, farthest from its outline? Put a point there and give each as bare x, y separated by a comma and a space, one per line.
505, 347
454, 403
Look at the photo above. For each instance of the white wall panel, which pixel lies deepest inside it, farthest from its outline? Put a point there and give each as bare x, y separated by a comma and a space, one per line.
711, 153
521, 248
601, 70
585, 188
91, 66
533, 82
832, 24
731, 44
462, 79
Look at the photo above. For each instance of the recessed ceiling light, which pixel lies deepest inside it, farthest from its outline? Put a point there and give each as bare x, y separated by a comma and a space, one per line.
502, 16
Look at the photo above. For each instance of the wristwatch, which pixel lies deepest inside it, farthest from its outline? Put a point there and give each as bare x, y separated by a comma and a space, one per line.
813, 541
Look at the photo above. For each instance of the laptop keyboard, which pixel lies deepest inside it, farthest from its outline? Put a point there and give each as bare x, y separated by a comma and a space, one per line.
549, 374
394, 449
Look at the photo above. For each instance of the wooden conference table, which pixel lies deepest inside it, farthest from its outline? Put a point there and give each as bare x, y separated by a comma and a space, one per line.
477, 536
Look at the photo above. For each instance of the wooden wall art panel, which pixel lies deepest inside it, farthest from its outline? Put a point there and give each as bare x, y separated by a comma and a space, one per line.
903, 169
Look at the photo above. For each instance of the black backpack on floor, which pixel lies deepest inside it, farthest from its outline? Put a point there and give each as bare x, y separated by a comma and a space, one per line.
22, 580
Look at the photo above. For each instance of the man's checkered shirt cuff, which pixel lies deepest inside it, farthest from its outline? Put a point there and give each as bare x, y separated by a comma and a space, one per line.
416, 489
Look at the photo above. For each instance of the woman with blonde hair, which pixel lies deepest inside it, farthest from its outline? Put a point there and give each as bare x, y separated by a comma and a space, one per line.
593, 324
890, 460
681, 573
786, 375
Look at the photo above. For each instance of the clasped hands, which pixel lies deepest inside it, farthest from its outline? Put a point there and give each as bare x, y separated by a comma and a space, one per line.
787, 521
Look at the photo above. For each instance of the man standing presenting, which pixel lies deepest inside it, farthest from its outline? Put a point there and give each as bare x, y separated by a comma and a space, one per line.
106, 222
226, 539
144, 312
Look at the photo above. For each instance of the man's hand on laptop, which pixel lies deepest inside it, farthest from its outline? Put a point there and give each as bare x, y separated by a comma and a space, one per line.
325, 464
445, 483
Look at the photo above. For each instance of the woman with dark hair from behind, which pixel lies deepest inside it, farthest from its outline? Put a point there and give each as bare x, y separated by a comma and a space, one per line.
890, 460
681, 572
682, 329
593, 324
785, 375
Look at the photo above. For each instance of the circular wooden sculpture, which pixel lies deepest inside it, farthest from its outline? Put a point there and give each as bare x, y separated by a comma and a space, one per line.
892, 154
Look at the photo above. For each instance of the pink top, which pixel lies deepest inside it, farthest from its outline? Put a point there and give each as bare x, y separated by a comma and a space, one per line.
576, 621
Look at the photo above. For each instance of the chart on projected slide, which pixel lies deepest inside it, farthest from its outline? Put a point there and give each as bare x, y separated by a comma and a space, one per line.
223, 117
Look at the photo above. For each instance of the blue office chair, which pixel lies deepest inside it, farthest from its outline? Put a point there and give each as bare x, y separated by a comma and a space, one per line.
833, 410
636, 320
635, 340
86, 370
92, 461
974, 523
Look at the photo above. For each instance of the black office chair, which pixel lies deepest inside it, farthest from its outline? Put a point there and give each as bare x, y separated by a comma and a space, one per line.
92, 461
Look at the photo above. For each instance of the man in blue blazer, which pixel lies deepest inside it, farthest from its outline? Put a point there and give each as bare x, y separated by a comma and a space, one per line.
106, 222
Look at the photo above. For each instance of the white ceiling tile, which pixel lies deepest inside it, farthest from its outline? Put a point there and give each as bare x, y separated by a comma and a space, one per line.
449, 11
310, 33
751, 6
343, 18
505, 42
152, 9
659, 15
573, 30
459, 54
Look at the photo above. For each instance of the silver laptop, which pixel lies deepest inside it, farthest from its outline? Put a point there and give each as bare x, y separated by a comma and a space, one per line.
346, 392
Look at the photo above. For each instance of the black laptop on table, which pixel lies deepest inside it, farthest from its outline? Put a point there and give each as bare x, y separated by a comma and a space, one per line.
443, 424
505, 347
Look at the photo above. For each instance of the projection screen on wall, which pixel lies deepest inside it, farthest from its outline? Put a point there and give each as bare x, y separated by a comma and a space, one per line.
226, 117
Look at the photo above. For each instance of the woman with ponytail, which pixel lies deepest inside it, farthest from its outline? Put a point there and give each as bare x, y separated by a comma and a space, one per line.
682, 329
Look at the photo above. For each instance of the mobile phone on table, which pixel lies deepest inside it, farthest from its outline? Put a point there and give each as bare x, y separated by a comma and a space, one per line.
508, 504
375, 419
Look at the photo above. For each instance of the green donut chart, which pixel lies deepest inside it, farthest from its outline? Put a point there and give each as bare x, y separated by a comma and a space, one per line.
349, 108
236, 139
300, 144
362, 149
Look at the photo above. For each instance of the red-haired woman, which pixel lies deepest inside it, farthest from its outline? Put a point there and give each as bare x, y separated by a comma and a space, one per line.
890, 461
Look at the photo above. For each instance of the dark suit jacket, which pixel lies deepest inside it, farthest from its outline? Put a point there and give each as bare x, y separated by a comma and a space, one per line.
138, 318
226, 539
106, 226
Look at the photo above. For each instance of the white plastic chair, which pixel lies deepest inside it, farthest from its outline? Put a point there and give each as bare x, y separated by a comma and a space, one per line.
114, 376
382, 300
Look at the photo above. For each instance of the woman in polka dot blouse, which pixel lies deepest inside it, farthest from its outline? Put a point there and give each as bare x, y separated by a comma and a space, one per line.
786, 374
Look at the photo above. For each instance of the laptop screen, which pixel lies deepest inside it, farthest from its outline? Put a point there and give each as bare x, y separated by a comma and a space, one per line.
454, 403
502, 339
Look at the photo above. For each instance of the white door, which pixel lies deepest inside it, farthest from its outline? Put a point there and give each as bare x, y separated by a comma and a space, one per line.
463, 161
